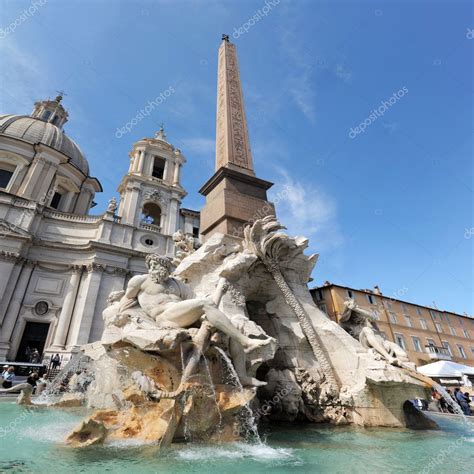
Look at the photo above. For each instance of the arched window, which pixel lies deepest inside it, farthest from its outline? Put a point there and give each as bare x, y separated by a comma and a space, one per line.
158, 167
151, 213
6, 173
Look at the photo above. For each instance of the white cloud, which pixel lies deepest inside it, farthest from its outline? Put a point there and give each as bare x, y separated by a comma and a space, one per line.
307, 211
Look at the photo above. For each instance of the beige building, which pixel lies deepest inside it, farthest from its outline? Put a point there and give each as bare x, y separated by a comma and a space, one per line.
427, 334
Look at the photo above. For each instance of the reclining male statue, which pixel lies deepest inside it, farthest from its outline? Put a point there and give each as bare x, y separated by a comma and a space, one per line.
360, 324
157, 300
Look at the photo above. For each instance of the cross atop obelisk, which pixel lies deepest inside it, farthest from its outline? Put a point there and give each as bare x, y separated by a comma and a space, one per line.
232, 139
235, 197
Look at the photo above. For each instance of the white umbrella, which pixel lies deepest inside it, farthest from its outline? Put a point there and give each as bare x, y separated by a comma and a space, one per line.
445, 369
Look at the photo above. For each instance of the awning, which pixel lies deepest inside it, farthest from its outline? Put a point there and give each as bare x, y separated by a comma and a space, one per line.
445, 368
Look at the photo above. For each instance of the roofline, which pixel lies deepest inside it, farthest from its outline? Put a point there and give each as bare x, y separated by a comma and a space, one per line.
367, 291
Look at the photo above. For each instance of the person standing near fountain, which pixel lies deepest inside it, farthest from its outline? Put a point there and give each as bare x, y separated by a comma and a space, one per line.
8, 377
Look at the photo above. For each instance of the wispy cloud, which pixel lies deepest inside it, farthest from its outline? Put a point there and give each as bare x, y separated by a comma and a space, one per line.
17, 96
301, 65
307, 211
199, 145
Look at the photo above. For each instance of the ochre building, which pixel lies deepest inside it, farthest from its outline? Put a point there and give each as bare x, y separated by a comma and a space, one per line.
427, 334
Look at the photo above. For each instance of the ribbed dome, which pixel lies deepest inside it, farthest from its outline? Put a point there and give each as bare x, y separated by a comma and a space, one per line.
34, 130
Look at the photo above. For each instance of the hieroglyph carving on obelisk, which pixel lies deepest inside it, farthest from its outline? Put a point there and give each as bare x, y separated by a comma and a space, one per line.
232, 140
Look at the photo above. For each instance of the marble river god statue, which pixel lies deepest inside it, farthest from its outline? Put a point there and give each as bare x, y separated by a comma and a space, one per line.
189, 354
361, 324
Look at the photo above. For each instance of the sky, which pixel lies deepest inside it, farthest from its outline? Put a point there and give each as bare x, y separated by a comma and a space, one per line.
361, 110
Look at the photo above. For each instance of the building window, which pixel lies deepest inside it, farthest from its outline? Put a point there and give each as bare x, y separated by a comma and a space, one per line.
349, 294
466, 334
196, 232
158, 167
453, 331
447, 347
430, 342
447, 318
56, 200
438, 327
423, 324
389, 304
409, 323
151, 214
434, 314
404, 308
46, 114
376, 314
416, 344
323, 308
393, 317
418, 311
400, 340
461, 351
41, 308
472, 350
5, 176
371, 299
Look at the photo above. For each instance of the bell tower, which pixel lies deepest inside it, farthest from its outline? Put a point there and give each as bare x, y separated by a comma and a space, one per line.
234, 195
151, 191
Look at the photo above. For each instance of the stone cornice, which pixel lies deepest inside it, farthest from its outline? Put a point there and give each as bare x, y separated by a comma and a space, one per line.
224, 172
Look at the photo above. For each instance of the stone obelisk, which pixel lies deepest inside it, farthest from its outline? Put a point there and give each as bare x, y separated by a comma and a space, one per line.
235, 197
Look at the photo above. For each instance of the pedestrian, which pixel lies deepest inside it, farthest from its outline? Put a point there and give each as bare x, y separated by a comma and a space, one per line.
33, 379
56, 361
463, 401
35, 356
8, 377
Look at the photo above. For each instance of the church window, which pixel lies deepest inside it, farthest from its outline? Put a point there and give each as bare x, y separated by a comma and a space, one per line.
46, 114
41, 308
5, 176
149, 242
151, 214
158, 167
56, 200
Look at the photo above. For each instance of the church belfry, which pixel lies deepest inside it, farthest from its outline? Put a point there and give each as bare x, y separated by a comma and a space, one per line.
234, 195
151, 191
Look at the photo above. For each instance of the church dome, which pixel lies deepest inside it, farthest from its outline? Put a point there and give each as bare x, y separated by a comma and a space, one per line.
36, 130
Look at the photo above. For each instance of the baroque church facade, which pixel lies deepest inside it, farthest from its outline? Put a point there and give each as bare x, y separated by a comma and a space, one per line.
58, 263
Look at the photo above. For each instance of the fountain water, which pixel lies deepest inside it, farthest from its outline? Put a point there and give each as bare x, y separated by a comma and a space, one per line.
249, 428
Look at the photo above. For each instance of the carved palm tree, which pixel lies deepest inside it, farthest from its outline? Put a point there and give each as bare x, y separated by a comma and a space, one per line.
271, 246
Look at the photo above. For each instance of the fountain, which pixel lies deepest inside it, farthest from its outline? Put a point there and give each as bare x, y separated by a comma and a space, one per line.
187, 356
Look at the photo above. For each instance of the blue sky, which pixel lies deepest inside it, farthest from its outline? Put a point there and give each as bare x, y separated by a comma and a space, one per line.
392, 205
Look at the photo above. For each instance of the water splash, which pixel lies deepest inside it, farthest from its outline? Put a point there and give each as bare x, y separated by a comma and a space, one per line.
247, 419
59, 384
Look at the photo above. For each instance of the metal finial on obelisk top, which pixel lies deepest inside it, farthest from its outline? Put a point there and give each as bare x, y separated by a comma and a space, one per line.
225, 38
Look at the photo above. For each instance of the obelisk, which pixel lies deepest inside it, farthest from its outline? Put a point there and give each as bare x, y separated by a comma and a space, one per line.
235, 197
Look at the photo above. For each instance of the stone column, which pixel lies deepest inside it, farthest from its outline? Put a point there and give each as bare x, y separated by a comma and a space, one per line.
46, 182
131, 211
66, 201
10, 268
173, 212
85, 307
32, 178
14, 307
62, 328
177, 169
